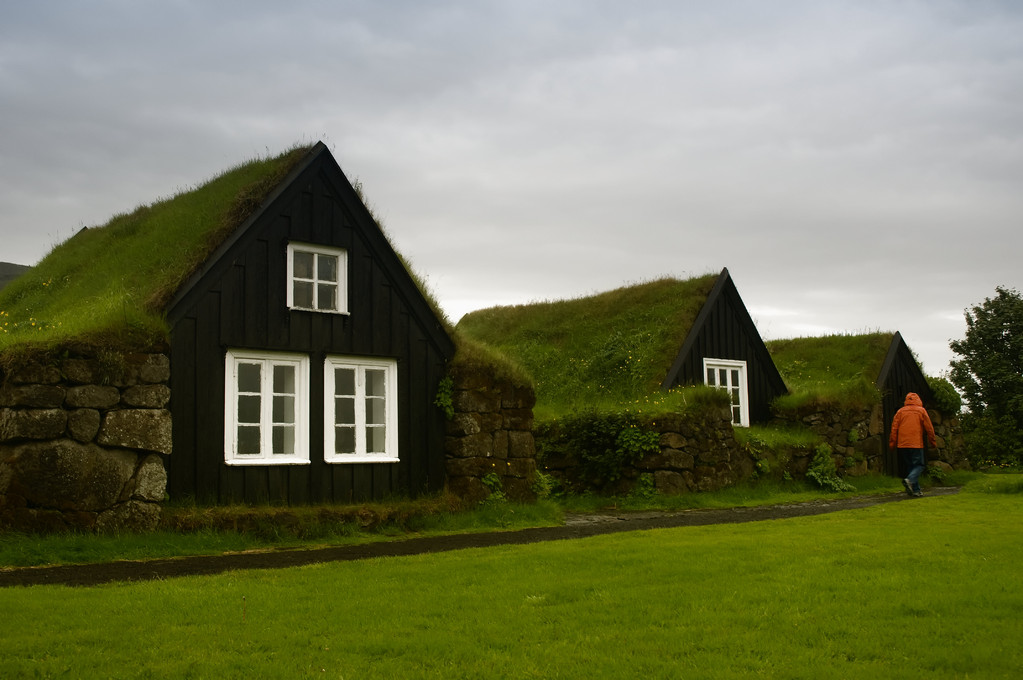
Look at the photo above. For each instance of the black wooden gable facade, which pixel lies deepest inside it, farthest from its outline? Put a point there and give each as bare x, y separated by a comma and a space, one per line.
238, 303
724, 330
900, 374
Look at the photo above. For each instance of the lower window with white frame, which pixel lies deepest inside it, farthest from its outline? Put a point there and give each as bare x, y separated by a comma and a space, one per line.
730, 375
361, 410
266, 408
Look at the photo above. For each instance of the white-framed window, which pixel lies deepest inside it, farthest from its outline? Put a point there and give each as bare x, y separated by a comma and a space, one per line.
317, 278
360, 410
730, 375
266, 412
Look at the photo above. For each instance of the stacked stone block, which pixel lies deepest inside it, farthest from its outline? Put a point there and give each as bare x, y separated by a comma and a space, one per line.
82, 441
489, 440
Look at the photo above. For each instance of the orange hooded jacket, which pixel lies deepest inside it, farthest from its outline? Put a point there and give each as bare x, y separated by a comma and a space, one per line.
909, 425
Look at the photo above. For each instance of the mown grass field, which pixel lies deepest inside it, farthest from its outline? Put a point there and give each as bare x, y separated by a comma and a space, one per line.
926, 588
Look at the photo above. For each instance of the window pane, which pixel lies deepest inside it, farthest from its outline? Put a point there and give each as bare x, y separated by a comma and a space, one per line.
344, 381
735, 396
375, 383
248, 377
375, 411
248, 441
284, 379
735, 378
327, 267
284, 440
303, 265
303, 294
375, 440
344, 411
284, 409
326, 296
248, 408
710, 376
344, 440
736, 415
723, 377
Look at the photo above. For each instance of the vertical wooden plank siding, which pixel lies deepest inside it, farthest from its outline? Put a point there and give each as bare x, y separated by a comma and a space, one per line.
181, 468
208, 409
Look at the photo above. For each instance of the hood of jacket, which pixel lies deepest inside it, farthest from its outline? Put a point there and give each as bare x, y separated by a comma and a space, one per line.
913, 399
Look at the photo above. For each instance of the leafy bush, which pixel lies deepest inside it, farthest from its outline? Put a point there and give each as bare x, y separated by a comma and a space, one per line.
946, 398
492, 481
823, 473
992, 440
445, 397
602, 442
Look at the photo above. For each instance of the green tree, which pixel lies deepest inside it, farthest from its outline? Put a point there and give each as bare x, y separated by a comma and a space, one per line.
989, 373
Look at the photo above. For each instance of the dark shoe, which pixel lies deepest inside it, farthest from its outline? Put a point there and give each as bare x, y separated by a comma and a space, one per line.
909, 487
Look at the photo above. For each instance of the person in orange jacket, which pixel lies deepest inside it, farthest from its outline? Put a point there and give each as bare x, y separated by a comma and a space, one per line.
910, 424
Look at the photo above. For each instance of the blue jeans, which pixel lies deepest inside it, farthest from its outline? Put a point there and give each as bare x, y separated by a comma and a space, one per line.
916, 461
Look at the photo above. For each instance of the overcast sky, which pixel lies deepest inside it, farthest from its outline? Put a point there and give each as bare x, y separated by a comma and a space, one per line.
857, 166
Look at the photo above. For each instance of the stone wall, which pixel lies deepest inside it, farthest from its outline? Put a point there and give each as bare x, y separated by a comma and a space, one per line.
81, 443
489, 439
698, 452
857, 439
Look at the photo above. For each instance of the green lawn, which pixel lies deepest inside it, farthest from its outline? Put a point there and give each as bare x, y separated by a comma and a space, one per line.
926, 588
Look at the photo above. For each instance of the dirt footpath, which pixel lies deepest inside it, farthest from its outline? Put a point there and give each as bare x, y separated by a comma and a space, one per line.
576, 526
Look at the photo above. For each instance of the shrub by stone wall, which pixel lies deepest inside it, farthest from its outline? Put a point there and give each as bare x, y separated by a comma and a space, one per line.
489, 440
81, 443
698, 452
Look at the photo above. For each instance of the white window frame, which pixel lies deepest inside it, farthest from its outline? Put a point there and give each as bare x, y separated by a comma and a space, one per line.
730, 365
360, 365
266, 360
342, 276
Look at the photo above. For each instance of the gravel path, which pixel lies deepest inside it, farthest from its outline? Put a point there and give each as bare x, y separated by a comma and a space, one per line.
576, 526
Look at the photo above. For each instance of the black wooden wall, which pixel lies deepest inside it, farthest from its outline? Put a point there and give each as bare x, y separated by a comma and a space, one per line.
724, 330
239, 302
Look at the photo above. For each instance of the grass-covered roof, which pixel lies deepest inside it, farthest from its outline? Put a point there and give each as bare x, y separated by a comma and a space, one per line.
832, 368
612, 347
107, 286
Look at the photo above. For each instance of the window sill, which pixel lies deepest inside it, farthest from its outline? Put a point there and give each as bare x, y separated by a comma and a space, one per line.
335, 312
266, 462
359, 458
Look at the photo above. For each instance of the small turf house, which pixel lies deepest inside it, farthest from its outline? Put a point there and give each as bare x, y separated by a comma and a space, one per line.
10, 271
638, 340
304, 357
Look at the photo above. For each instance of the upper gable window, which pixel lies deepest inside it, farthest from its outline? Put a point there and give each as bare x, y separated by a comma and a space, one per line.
317, 278
730, 375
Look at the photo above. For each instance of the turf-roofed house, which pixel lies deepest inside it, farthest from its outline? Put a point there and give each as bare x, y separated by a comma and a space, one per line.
847, 387
621, 381
628, 344
302, 359
10, 271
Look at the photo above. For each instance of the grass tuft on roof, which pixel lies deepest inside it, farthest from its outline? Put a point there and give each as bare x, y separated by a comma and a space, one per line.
107, 286
839, 369
609, 349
